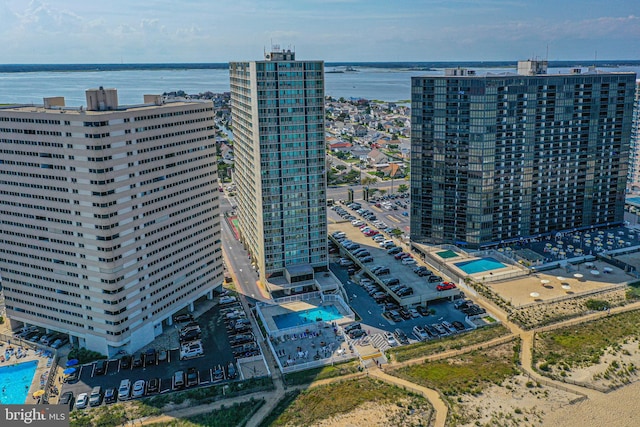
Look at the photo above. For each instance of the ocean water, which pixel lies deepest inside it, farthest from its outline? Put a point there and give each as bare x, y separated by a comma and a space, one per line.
28, 84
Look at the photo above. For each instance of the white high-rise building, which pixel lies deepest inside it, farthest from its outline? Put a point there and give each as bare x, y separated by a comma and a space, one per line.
278, 122
633, 181
109, 216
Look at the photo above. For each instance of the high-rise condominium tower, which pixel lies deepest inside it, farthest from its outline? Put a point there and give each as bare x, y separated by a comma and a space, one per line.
633, 185
109, 216
496, 158
278, 124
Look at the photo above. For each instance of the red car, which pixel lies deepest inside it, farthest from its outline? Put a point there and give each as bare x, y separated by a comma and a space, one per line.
401, 255
445, 286
371, 233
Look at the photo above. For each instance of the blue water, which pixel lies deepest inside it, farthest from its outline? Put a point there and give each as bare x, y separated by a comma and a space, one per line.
28, 84
298, 318
479, 265
15, 381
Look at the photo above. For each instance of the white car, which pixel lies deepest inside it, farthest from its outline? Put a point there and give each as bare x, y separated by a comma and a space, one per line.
345, 262
138, 388
82, 400
190, 351
357, 223
378, 238
408, 261
391, 340
385, 243
228, 300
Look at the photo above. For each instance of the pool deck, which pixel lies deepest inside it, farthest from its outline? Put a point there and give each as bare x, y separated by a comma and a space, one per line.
271, 311
518, 290
44, 367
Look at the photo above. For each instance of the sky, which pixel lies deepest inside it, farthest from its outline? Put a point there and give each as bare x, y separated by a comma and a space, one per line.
179, 31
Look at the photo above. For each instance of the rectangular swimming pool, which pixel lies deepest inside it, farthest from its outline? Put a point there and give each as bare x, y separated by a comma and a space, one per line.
325, 313
479, 265
15, 381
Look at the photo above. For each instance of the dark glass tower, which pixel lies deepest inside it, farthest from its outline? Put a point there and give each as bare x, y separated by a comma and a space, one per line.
497, 158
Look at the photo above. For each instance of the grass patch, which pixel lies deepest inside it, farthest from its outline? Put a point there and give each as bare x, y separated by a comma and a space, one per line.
454, 342
582, 345
469, 373
111, 415
236, 415
311, 375
323, 402
210, 394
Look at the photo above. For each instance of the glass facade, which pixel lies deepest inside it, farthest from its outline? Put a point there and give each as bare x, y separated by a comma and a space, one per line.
278, 119
499, 158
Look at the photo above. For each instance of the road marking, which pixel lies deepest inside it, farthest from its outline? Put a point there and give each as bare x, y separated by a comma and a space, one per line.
393, 218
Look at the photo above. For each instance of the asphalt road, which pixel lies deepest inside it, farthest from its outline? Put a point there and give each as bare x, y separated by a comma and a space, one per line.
237, 258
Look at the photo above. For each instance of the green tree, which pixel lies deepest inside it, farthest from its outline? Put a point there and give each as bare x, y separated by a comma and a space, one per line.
341, 167
403, 188
367, 180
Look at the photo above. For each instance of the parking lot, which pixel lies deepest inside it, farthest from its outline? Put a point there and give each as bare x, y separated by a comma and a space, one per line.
217, 332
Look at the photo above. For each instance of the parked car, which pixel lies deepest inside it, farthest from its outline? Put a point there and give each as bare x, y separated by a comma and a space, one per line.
60, 342
125, 362
163, 355
100, 367
424, 311
138, 388
345, 262
153, 385
138, 360
183, 318
391, 340
124, 389
356, 333
401, 337
352, 327
150, 357
192, 377
395, 250
110, 395
82, 401
95, 399
408, 261
420, 333
445, 286
66, 399
227, 300
458, 325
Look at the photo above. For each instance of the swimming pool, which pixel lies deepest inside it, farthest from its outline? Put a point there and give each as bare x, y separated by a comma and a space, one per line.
479, 265
15, 381
326, 313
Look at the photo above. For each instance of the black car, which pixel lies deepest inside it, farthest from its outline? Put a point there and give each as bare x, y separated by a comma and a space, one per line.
153, 385
192, 377
356, 333
125, 362
352, 327
138, 360
424, 311
240, 339
150, 357
181, 318
101, 367
458, 325
66, 398
401, 337
192, 335
405, 313
110, 395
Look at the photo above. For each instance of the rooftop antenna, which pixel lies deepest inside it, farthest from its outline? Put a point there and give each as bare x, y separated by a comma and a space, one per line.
547, 58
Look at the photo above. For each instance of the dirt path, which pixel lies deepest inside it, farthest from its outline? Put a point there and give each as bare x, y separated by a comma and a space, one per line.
440, 407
